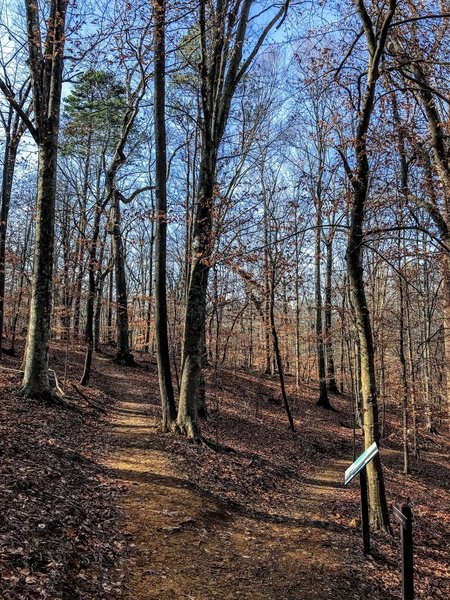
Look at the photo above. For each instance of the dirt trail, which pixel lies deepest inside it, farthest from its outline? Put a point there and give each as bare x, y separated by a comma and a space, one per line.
189, 546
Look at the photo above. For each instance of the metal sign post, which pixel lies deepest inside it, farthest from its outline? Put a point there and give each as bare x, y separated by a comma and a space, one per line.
364, 511
404, 517
359, 466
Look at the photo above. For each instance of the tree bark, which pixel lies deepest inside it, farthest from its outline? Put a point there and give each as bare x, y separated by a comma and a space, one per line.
9, 163
446, 320
376, 34
404, 377
46, 67
222, 33
331, 372
276, 349
92, 269
123, 354
323, 400
148, 319
169, 413
196, 303
378, 505
36, 382
81, 239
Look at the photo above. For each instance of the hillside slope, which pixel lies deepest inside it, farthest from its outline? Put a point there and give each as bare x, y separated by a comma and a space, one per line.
96, 503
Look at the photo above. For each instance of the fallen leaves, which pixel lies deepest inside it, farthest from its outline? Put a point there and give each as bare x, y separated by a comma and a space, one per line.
275, 506
58, 520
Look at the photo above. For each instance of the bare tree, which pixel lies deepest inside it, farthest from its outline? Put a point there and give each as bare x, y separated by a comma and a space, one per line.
45, 61
222, 35
376, 34
162, 341
14, 128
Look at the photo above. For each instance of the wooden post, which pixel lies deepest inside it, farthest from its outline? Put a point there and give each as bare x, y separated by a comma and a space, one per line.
364, 511
404, 517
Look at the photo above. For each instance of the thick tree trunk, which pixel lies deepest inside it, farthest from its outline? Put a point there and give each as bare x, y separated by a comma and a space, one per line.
187, 419
162, 339
222, 32
190, 385
376, 34
379, 515
36, 381
45, 61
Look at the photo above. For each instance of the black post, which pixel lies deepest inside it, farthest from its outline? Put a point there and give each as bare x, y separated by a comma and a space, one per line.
407, 555
364, 511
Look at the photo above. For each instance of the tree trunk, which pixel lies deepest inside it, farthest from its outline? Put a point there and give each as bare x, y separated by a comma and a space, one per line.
148, 319
276, 349
187, 418
123, 355
162, 340
268, 354
92, 268
297, 312
446, 320
109, 320
412, 373
428, 386
36, 382
379, 515
66, 283
220, 71
376, 34
18, 304
331, 373
98, 313
46, 68
81, 240
323, 392
404, 378
9, 164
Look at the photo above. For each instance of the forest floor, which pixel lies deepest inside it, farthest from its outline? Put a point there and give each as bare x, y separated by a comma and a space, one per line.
97, 503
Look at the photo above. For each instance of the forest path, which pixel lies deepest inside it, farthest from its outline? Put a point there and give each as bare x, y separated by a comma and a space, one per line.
188, 545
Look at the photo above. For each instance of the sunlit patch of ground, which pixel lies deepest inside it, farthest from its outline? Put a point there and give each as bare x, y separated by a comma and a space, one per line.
189, 543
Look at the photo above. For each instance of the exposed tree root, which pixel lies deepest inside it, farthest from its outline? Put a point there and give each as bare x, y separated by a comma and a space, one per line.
48, 396
124, 358
187, 428
325, 405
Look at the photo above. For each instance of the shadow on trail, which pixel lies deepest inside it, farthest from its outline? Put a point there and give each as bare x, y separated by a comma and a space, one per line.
228, 509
